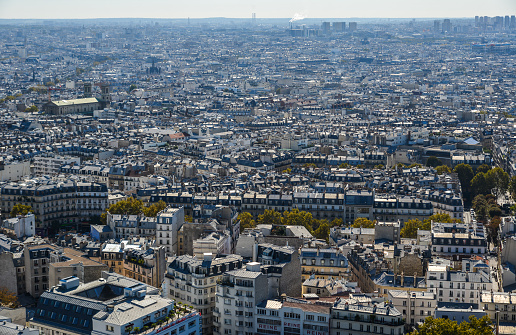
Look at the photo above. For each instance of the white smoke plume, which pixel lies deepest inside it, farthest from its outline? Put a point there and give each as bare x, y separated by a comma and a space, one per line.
297, 17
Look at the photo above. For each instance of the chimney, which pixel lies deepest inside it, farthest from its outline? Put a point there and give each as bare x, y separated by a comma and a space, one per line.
415, 279
402, 278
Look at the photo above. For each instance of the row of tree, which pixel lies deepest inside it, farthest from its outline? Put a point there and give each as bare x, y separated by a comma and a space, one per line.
410, 227
318, 228
132, 206
484, 180
442, 326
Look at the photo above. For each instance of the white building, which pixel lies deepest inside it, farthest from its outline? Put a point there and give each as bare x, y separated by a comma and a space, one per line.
414, 306
238, 293
52, 165
362, 319
170, 220
194, 282
458, 286
23, 226
291, 317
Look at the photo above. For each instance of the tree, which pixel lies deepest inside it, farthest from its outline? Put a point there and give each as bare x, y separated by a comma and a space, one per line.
132, 87
465, 174
188, 218
433, 161
154, 209
20, 209
362, 223
323, 232
492, 229
130, 206
415, 165
441, 217
336, 222
7, 298
484, 168
379, 167
498, 179
480, 184
31, 109
440, 326
411, 227
269, 217
299, 218
512, 187
344, 166
480, 206
246, 221
442, 169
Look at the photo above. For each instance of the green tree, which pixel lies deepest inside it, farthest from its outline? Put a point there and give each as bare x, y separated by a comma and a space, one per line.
362, 223
480, 184
415, 165
480, 206
188, 218
246, 221
298, 218
465, 174
484, 168
130, 206
440, 326
433, 161
498, 179
411, 227
154, 209
20, 209
132, 87
344, 166
269, 216
31, 109
442, 169
379, 167
323, 231
440, 217
512, 187
336, 222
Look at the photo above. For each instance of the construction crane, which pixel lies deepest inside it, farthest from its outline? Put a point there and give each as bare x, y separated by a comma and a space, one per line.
52, 89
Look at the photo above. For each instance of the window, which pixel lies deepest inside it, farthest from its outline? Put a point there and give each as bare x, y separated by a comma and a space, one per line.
110, 328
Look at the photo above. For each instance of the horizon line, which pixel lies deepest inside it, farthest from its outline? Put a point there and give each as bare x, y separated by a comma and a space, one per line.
247, 18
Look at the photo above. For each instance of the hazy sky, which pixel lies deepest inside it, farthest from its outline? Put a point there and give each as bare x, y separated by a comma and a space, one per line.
57, 9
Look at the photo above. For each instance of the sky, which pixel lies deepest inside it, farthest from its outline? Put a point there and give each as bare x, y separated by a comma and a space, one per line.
80, 9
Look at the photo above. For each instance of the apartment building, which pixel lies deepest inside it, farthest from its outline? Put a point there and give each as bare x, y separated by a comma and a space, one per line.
169, 221
457, 241
52, 165
238, 294
415, 307
458, 286
62, 202
323, 263
147, 264
502, 302
291, 317
360, 319
193, 281
111, 305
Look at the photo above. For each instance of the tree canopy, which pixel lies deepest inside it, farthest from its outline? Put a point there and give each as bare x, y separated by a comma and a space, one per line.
440, 326
433, 161
246, 221
442, 169
7, 298
362, 223
411, 227
132, 206
465, 174
20, 209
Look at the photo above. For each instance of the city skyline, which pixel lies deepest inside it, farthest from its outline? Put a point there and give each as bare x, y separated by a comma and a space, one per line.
59, 9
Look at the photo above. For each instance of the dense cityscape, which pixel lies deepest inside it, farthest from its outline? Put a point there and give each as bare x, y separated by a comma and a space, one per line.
258, 176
